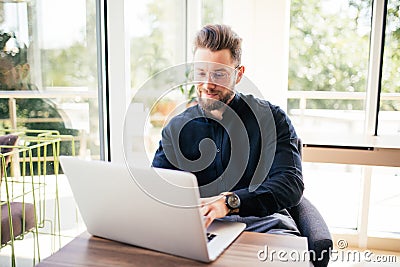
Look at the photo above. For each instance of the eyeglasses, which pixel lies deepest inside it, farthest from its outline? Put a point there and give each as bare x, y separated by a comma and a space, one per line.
219, 76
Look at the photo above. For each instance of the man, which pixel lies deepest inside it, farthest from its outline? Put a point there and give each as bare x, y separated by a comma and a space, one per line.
243, 150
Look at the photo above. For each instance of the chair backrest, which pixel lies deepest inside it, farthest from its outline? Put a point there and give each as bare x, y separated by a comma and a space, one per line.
300, 146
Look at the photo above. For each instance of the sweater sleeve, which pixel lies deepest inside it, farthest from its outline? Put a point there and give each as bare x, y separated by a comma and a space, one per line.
160, 159
283, 187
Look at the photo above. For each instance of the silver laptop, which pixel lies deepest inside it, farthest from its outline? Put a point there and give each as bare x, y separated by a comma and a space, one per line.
152, 208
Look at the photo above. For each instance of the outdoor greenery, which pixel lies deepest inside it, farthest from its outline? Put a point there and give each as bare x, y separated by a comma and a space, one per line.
329, 50
68, 67
76, 66
149, 54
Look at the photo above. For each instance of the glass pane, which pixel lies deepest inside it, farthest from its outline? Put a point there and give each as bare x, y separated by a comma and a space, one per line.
51, 60
328, 66
212, 11
48, 82
385, 200
157, 37
389, 113
335, 190
157, 41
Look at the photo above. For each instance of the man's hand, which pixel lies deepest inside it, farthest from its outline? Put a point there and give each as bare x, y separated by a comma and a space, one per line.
212, 208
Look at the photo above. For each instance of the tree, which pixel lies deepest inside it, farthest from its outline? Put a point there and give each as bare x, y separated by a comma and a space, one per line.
328, 52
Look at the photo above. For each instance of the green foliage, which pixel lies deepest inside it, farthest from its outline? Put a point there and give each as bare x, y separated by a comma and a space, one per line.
212, 11
150, 53
75, 65
329, 50
66, 67
189, 92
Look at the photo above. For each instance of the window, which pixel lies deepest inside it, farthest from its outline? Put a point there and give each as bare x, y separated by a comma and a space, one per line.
49, 81
328, 66
159, 40
336, 56
55, 56
157, 37
325, 83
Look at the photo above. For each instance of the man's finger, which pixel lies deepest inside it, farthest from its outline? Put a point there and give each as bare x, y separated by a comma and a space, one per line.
210, 217
205, 210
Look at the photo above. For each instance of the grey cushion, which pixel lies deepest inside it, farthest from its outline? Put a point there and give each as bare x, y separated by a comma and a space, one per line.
312, 225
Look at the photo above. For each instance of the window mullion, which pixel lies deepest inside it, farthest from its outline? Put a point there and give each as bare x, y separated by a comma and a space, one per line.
364, 207
375, 66
193, 24
118, 75
101, 36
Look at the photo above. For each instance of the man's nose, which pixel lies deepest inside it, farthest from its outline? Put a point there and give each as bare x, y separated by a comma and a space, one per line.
209, 83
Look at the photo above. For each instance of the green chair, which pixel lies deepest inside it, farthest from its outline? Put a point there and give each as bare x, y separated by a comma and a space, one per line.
17, 216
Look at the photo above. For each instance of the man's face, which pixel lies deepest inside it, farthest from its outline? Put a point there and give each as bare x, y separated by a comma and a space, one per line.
216, 75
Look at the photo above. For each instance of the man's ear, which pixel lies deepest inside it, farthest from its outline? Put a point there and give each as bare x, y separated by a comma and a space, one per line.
239, 76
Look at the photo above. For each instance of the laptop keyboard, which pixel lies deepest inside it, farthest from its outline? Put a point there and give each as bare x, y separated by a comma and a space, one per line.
210, 236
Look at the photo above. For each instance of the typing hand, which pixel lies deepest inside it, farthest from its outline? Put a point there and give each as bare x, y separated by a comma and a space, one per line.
212, 208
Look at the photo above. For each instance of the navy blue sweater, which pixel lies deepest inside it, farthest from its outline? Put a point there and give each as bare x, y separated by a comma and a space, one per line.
251, 151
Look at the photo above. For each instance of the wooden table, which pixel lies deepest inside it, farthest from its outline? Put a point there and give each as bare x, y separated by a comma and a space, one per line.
87, 250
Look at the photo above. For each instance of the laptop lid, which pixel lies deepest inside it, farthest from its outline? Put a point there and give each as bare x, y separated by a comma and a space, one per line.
147, 207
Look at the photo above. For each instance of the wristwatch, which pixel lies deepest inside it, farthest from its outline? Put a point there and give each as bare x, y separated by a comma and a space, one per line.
232, 201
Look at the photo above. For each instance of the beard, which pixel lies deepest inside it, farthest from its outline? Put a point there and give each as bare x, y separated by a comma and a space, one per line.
209, 104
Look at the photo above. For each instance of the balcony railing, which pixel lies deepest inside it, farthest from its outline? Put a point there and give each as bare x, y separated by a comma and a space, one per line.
303, 96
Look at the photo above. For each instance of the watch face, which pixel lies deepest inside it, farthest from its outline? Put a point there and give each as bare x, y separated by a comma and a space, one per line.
233, 201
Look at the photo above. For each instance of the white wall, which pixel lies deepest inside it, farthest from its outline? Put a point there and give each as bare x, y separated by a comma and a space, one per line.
264, 27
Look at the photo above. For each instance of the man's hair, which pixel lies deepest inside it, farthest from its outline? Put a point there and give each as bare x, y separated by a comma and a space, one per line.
12, 49
218, 37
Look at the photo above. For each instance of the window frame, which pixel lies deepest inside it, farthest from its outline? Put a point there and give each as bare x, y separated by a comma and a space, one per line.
373, 148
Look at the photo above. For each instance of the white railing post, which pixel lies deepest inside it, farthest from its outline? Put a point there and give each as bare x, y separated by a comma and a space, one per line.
303, 107
12, 108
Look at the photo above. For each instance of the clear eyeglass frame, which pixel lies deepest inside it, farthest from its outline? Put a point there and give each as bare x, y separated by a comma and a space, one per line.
219, 77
